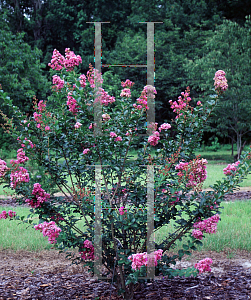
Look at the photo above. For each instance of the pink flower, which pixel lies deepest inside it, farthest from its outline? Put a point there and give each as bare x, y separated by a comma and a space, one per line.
47, 128
21, 158
88, 253
194, 171
86, 151
77, 125
3, 168
127, 83
104, 98
140, 259
72, 103
37, 117
106, 117
198, 103
182, 103
39, 196
164, 126
3, 215
129, 132
82, 80
71, 60
125, 93
122, 210
12, 214
59, 83
49, 229
38, 125
57, 61
208, 225
90, 76
153, 139
17, 177
233, 167
204, 265
220, 81
41, 106
197, 234
113, 134
91, 126
119, 138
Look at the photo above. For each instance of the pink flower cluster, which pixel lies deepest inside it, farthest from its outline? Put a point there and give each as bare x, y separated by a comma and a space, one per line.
59, 83
77, 125
140, 259
58, 61
204, 265
72, 103
49, 229
71, 60
142, 100
17, 177
3, 168
106, 117
86, 151
41, 106
220, 81
90, 76
164, 126
5, 215
39, 196
21, 158
125, 93
182, 103
208, 225
154, 138
122, 210
195, 171
89, 252
82, 80
117, 138
104, 98
232, 167
37, 117
127, 84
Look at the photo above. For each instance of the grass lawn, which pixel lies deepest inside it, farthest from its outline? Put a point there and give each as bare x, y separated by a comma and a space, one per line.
233, 231
217, 161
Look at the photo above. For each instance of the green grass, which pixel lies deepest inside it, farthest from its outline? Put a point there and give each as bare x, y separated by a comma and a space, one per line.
217, 161
233, 231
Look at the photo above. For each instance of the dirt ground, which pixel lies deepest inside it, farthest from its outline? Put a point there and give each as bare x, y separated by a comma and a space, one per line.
50, 261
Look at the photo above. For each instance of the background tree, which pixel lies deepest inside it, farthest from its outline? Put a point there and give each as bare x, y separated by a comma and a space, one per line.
20, 70
228, 49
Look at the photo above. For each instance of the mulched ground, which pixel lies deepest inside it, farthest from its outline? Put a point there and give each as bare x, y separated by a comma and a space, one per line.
234, 283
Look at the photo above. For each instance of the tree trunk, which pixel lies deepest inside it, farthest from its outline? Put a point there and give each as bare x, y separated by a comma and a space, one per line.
240, 148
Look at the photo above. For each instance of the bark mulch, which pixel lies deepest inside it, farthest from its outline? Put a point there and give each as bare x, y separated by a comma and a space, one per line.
234, 284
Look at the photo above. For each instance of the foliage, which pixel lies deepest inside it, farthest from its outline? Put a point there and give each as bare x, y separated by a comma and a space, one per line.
229, 49
20, 69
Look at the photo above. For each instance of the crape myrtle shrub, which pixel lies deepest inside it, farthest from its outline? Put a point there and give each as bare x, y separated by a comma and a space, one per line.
61, 137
